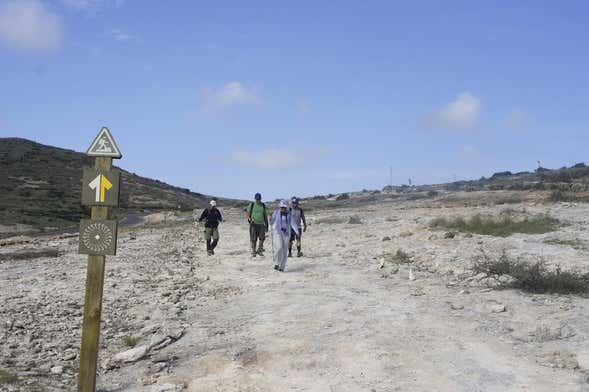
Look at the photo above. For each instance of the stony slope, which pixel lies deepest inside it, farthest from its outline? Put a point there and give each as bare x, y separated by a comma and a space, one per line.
40, 187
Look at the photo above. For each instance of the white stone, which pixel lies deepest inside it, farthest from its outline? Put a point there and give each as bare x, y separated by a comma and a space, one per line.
133, 355
57, 370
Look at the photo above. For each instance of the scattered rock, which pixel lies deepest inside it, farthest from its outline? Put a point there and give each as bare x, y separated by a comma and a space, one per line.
57, 370
164, 343
449, 235
406, 234
386, 238
411, 276
163, 357
354, 220
133, 355
418, 292
167, 387
157, 367
389, 272
496, 308
69, 357
506, 280
561, 359
480, 276
547, 333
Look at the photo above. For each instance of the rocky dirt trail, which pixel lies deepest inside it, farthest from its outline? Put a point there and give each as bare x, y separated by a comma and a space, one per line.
342, 318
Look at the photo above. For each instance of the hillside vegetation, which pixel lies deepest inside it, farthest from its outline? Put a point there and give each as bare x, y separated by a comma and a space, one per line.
41, 186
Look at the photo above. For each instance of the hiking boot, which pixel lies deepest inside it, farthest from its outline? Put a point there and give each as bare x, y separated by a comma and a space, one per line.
281, 269
260, 252
209, 252
276, 267
290, 253
254, 254
212, 252
299, 254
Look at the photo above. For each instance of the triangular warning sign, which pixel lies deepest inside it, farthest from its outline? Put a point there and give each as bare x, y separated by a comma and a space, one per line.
104, 145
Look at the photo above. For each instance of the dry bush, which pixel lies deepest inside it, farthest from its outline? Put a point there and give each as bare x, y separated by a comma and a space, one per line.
398, 257
131, 341
560, 196
534, 277
503, 227
330, 220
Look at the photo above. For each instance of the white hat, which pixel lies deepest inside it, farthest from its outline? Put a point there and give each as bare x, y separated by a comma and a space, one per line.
213, 203
283, 204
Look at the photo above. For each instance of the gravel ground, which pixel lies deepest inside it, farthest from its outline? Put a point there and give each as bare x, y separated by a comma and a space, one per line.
345, 317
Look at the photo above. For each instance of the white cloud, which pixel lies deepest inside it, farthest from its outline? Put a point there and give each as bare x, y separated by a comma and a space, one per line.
462, 113
92, 4
469, 151
277, 158
231, 94
27, 25
517, 120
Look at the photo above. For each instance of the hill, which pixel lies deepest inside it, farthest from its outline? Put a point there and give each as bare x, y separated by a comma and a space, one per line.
41, 185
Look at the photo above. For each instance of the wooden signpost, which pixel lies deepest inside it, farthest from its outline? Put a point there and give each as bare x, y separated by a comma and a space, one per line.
98, 238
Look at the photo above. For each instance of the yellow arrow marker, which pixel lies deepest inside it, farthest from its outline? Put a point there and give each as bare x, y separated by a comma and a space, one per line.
104, 186
100, 184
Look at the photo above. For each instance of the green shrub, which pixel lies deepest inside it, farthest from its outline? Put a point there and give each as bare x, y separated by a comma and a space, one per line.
330, 220
560, 196
512, 199
7, 378
503, 227
131, 341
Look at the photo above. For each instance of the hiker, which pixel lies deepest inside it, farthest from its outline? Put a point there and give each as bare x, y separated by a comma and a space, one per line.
281, 223
297, 216
258, 220
212, 217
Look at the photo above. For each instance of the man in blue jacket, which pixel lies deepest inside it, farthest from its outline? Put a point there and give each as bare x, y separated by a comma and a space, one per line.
212, 217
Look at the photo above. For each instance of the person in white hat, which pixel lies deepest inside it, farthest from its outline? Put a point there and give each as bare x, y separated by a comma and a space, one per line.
212, 217
281, 222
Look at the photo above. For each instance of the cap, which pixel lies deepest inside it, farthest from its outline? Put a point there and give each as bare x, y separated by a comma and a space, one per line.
258, 196
295, 201
283, 204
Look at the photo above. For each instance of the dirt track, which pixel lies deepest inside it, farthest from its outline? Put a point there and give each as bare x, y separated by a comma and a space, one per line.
334, 321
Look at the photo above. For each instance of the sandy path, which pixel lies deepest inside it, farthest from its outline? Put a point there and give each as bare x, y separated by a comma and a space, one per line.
331, 325
334, 321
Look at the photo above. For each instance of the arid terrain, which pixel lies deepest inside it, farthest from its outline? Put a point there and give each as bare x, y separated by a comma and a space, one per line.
381, 301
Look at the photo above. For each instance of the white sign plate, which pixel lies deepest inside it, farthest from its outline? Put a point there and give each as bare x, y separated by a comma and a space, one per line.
104, 145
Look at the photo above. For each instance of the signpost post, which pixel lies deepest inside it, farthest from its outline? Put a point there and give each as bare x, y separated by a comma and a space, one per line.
98, 238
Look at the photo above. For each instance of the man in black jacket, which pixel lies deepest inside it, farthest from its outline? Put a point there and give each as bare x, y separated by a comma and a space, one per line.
212, 217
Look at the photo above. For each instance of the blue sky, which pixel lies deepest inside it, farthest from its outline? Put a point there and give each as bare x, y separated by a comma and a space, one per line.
231, 98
